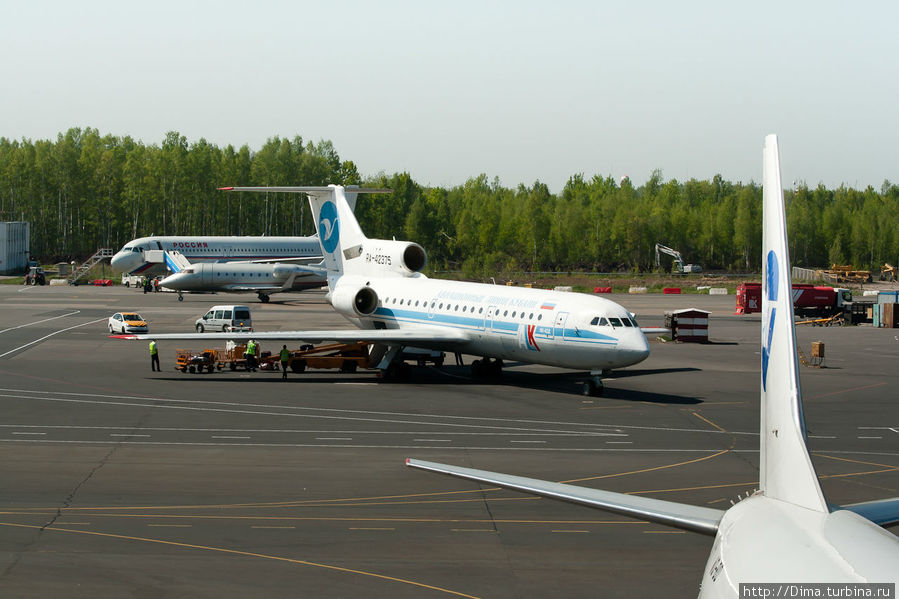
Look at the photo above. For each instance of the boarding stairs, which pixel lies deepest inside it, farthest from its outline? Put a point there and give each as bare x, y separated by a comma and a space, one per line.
175, 261
79, 272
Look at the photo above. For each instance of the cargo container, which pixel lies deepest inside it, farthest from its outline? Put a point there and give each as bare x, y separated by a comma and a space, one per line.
807, 299
15, 244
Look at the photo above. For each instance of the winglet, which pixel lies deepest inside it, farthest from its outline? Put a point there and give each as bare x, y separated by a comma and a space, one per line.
785, 468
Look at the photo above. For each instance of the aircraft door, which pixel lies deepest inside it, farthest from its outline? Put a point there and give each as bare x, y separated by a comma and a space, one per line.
206, 277
488, 319
559, 328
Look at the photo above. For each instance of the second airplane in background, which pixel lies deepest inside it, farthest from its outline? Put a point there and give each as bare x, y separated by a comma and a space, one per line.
261, 278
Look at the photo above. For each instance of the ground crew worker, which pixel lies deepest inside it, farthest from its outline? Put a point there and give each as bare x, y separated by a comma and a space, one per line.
285, 358
250, 355
154, 357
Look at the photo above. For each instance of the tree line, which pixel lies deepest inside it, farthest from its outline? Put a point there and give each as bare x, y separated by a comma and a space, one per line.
85, 190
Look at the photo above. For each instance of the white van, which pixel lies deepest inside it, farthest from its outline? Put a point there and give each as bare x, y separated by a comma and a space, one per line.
225, 318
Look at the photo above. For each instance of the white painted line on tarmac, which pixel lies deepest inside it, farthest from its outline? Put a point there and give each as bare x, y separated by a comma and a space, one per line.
333, 438
228, 437
870, 437
23, 433
39, 321
128, 435
594, 430
12, 351
432, 440
619, 442
821, 437
527, 441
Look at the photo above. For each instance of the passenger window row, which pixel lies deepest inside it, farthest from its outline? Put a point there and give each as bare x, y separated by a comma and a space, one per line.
523, 315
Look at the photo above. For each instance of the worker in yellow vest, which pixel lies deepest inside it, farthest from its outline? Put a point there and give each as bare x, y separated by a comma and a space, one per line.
250, 355
285, 359
154, 356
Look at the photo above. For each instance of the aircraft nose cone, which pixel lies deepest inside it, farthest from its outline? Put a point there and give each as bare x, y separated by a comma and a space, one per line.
637, 348
173, 281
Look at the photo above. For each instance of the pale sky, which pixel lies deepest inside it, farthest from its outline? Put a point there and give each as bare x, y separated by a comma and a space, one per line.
519, 90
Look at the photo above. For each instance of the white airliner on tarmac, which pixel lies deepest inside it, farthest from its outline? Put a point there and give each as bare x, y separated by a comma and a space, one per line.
376, 284
145, 254
786, 532
260, 278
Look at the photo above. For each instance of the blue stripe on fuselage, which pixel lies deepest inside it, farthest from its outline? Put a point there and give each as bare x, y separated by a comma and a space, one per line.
477, 323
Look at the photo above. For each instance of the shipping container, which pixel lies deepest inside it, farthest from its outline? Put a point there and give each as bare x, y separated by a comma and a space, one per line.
807, 299
888, 297
15, 243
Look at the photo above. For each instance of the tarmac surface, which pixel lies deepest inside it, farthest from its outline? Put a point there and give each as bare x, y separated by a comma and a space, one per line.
116, 481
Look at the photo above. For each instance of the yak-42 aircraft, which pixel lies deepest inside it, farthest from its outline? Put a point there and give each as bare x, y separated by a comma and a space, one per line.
786, 532
376, 284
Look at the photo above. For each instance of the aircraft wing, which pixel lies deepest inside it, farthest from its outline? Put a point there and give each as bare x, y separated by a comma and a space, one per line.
679, 515
883, 512
655, 331
420, 336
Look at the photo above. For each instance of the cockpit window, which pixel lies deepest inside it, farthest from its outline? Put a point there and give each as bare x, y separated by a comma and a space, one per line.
595, 321
616, 322
626, 322
603, 322
634, 320
127, 248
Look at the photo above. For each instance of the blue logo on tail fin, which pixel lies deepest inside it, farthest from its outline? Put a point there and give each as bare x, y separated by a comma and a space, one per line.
772, 280
328, 227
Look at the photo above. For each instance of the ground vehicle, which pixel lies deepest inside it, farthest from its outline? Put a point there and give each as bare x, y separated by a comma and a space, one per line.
127, 322
678, 266
226, 319
816, 300
35, 276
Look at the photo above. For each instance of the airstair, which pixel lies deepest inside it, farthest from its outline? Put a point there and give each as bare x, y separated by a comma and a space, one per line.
82, 270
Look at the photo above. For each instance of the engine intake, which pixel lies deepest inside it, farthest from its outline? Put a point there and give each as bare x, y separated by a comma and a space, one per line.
361, 300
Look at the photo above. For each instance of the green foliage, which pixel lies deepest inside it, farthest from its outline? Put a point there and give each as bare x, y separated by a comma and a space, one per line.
84, 191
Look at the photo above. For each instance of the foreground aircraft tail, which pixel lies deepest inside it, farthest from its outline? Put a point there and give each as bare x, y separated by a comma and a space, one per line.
786, 472
786, 469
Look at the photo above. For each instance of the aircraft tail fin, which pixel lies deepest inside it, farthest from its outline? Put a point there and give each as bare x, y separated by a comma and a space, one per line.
786, 471
338, 230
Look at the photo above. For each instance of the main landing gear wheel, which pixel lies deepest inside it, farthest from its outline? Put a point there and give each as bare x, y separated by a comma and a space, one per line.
486, 368
592, 388
396, 371
263, 298
180, 297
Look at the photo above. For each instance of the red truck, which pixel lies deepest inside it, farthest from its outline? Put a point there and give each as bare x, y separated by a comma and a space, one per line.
808, 300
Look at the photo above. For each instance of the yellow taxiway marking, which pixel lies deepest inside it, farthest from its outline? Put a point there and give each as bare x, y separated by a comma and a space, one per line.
247, 554
277, 527
830, 457
74, 523
473, 530
170, 525
571, 531
704, 419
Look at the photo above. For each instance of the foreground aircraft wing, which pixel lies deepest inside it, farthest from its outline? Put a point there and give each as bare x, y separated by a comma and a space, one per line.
688, 517
420, 336
883, 512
